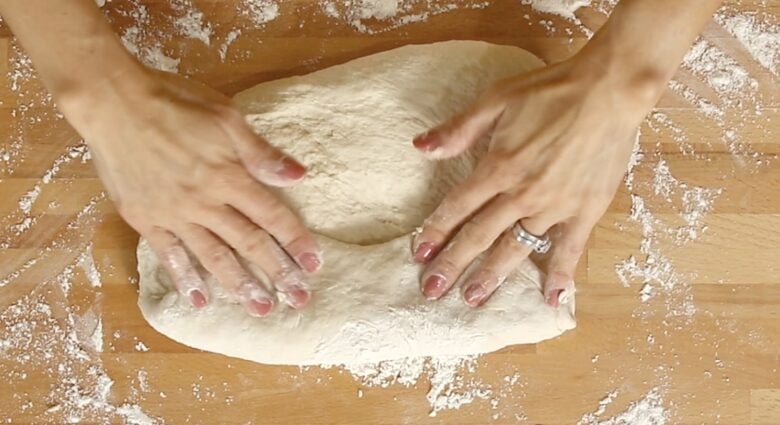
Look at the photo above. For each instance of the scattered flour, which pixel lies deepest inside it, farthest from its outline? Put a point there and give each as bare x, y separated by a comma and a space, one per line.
87, 264
33, 335
30, 336
145, 41
229, 39
33, 106
649, 410
451, 379
140, 346
721, 72
260, 12
191, 24
756, 32
591, 418
562, 8
375, 16
151, 56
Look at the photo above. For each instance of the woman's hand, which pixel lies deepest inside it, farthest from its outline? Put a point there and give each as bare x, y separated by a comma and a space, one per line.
187, 172
560, 141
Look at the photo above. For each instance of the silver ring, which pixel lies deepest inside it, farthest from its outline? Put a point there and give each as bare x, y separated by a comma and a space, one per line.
540, 244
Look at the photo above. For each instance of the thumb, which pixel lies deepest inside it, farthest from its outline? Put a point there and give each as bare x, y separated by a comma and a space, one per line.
563, 263
264, 162
461, 131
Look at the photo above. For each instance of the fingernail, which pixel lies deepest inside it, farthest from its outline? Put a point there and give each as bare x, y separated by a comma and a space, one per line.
424, 252
427, 142
291, 169
310, 261
298, 297
198, 298
552, 297
261, 308
474, 295
434, 287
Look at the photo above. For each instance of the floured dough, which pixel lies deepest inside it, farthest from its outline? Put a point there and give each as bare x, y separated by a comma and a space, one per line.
366, 191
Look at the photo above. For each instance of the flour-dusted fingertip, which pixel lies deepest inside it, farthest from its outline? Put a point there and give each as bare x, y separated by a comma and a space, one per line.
260, 308
197, 298
434, 287
427, 142
281, 171
311, 262
425, 252
291, 169
552, 297
298, 297
475, 295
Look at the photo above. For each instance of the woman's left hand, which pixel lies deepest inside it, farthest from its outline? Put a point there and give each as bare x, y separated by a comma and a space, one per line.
560, 142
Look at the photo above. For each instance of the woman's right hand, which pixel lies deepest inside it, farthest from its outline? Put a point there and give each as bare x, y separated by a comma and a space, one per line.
187, 172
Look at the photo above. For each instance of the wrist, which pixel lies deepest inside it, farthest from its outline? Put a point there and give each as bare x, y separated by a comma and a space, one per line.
108, 69
634, 84
85, 102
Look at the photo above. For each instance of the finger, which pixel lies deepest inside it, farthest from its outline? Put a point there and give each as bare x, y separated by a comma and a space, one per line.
265, 210
505, 257
260, 249
463, 130
472, 239
567, 250
463, 201
216, 257
176, 261
264, 162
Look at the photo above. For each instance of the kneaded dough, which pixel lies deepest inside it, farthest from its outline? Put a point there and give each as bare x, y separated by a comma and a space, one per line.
366, 192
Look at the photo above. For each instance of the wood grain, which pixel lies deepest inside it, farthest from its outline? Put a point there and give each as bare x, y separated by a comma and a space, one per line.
719, 365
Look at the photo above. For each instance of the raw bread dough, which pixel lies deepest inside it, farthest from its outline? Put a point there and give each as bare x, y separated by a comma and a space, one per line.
366, 192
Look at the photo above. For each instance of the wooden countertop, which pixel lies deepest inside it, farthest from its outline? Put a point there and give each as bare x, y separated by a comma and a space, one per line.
717, 365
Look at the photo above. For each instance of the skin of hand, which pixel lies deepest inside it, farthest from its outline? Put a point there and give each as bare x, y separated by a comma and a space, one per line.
183, 167
184, 170
559, 139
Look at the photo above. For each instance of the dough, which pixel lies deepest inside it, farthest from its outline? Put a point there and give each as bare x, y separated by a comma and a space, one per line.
366, 192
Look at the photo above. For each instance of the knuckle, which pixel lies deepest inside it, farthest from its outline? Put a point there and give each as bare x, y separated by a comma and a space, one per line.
572, 249
254, 243
444, 265
560, 275
474, 234
278, 215
446, 212
221, 257
299, 242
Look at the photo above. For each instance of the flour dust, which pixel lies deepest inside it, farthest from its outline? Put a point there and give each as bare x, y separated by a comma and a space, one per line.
42, 333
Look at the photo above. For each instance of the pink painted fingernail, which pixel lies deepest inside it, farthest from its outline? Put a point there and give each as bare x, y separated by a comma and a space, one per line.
291, 169
434, 287
427, 142
475, 295
198, 298
424, 252
261, 308
310, 261
298, 297
552, 297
